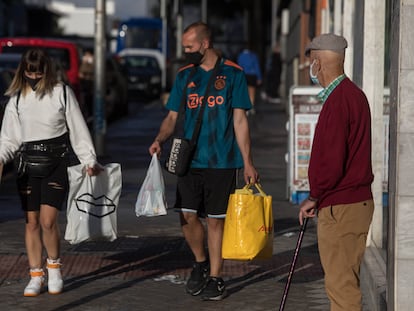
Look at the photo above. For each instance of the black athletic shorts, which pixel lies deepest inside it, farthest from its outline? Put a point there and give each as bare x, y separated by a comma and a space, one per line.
251, 80
206, 191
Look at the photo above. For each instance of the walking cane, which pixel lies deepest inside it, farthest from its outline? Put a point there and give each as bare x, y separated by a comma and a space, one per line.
292, 265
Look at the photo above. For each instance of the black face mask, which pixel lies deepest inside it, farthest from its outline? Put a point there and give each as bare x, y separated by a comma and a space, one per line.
194, 57
32, 82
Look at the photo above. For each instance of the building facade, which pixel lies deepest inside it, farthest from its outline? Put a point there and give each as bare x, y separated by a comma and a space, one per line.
378, 60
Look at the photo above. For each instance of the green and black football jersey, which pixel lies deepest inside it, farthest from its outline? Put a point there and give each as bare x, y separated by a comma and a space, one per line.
217, 146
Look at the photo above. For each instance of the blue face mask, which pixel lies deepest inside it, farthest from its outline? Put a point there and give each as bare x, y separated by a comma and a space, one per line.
314, 78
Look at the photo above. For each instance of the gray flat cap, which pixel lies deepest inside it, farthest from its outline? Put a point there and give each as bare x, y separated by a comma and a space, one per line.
327, 41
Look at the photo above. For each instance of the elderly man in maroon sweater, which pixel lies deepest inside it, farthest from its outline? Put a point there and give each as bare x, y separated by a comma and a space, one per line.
340, 173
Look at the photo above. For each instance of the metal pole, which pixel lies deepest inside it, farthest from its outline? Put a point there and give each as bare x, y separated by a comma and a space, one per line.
246, 33
179, 28
348, 31
283, 51
337, 20
163, 15
99, 78
274, 39
204, 11
372, 72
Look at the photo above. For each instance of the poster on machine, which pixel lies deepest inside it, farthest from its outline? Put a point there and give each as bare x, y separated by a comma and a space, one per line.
304, 112
304, 109
304, 129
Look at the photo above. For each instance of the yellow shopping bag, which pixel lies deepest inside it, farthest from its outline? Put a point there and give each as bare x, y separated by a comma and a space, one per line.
248, 228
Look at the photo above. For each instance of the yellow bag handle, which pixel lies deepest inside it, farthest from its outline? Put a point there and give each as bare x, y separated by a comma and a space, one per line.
246, 189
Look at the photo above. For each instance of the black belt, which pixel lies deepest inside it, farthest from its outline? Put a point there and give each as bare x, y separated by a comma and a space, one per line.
52, 148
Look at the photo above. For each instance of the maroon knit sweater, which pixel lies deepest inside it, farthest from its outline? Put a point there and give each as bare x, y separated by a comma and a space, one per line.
340, 170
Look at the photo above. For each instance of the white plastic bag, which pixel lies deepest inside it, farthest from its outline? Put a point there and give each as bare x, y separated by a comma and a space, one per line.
151, 197
92, 204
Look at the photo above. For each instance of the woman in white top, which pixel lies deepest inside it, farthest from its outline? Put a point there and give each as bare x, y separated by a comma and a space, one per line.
41, 119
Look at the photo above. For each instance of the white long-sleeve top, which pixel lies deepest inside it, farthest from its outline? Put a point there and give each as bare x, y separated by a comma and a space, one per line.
45, 118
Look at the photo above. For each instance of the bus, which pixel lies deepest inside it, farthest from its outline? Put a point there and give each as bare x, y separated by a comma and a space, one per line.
140, 32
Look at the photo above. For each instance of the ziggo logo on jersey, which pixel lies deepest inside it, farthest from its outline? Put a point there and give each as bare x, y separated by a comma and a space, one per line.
194, 101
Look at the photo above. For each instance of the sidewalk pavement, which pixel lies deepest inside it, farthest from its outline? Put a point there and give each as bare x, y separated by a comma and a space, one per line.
146, 267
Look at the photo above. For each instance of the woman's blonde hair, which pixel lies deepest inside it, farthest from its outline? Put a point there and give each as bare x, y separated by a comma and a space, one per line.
34, 60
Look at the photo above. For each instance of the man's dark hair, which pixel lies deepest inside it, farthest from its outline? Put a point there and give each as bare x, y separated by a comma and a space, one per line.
203, 31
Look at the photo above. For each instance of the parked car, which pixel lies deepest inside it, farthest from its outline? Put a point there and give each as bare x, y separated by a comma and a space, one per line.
6, 76
65, 53
67, 59
8, 66
66, 56
9, 61
144, 68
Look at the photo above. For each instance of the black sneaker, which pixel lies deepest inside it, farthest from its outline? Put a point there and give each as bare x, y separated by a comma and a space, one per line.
198, 278
215, 289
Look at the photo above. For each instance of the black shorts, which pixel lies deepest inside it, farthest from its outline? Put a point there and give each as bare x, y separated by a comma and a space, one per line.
206, 191
251, 80
50, 190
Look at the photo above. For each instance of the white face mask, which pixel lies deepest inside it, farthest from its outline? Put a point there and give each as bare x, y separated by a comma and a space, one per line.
313, 77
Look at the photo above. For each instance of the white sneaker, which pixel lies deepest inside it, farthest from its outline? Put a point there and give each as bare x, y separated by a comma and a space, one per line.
35, 285
54, 281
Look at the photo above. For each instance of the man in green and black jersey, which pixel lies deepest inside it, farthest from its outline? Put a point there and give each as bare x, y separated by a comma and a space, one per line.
223, 148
